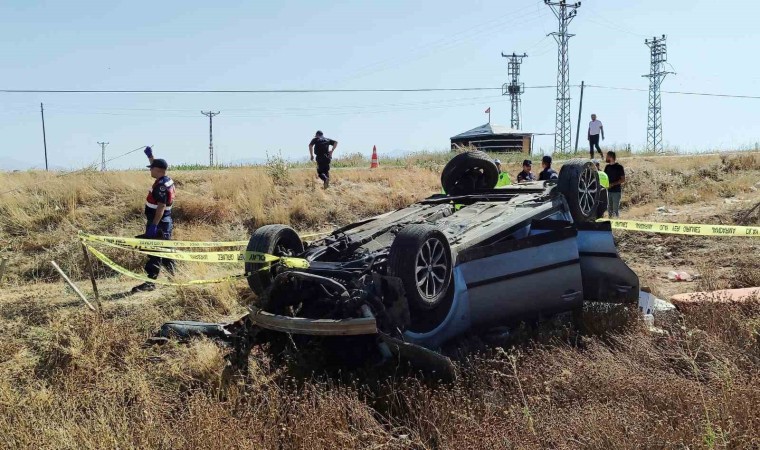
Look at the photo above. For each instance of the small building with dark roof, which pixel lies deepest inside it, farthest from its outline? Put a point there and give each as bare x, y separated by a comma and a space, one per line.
494, 138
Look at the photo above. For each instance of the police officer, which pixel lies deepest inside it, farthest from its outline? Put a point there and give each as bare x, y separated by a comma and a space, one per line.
320, 146
158, 211
548, 173
525, 174
504, 179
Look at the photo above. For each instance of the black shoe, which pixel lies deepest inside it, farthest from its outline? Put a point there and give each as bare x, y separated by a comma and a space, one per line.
145, 287
327, 183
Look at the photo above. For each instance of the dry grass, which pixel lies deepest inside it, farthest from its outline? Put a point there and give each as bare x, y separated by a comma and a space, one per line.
71, 380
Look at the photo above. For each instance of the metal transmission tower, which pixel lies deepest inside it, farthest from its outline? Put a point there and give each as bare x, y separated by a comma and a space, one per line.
210, 115
562, 128
659, 56
514, 89
103, 155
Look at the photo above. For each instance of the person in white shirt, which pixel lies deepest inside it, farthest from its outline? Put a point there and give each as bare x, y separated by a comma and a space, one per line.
595, 129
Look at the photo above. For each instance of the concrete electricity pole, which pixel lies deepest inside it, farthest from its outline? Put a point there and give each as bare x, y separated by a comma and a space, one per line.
210, 115
659, 56
514, 89
103, 155
562, 127
44, 138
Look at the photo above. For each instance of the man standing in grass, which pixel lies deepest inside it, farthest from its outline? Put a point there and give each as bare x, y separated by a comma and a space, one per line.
595, 129
320, 146
158, 211
616, 174
525, 174
548, 173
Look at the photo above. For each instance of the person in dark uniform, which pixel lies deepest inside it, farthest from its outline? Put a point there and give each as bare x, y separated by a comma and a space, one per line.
525, 174
158, 212
548, 173
320, 146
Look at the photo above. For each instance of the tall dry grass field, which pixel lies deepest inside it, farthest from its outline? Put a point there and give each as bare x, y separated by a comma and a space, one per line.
69, 379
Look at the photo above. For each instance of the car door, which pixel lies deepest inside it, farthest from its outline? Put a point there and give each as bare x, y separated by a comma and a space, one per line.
522, 278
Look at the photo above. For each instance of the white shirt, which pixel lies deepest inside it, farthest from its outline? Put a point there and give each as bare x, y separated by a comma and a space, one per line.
594, 127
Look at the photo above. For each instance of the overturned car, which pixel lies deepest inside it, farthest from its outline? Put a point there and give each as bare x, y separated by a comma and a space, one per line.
408, 281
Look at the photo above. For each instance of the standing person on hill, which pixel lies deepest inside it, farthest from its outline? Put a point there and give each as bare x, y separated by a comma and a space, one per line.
320, 146
616, 174
548, 173
158, 212
595, 129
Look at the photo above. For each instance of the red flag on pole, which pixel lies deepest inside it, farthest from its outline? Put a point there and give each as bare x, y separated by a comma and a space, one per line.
488, 111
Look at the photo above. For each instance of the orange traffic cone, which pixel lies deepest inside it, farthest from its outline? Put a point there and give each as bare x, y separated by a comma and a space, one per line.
374, 164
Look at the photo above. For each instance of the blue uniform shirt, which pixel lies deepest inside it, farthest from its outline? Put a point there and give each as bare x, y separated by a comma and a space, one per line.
162, 191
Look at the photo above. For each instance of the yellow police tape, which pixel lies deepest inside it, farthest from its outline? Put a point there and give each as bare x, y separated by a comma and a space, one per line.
149, 247
124, 271
684, 228
159, 243
232, 256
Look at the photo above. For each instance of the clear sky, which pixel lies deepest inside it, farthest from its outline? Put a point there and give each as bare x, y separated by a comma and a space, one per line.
190, 44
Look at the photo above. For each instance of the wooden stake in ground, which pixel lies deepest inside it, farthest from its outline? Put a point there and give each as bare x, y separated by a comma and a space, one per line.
92, 275
73, 286
2, 269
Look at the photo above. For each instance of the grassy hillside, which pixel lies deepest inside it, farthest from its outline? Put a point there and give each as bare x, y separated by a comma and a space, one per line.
71, 380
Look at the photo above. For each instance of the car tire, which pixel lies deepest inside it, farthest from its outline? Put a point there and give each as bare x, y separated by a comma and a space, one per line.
579, 183
602, 208
278, 240
421, 257
468, 172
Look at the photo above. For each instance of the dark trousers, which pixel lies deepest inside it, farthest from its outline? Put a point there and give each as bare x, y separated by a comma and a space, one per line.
593, 141
153, 266
323, 167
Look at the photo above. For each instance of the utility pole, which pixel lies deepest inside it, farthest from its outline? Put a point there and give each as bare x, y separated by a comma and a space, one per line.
659, 56
210, 115
103, 155
514, 89
563, 126
580, 112
44, 139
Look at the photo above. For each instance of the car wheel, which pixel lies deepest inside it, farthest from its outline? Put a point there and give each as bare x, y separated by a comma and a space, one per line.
468, 172
602, 208
421, 257
579, 183
278, 240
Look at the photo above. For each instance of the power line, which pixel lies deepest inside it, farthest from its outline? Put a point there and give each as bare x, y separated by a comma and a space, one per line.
448, 42
359, 107
68, 173
703, 94
235, 91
